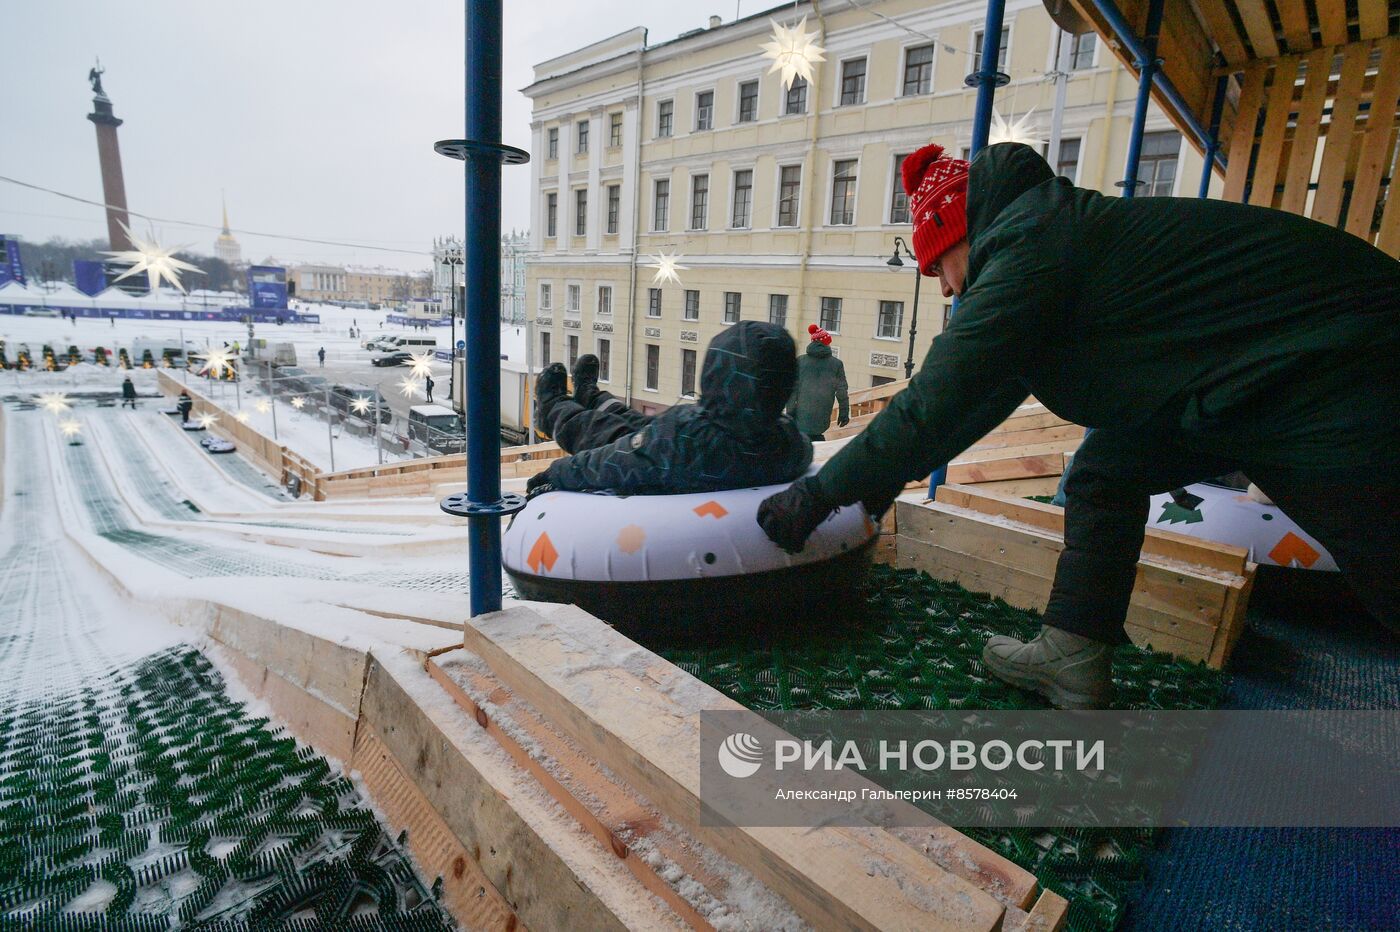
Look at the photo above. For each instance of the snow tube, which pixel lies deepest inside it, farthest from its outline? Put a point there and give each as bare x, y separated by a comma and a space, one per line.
1230, 516
687, 566
192, 425
216, 445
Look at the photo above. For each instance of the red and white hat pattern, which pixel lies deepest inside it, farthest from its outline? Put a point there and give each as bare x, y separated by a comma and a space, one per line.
937, 189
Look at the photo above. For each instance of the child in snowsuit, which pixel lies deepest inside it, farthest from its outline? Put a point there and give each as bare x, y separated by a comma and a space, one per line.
128, 393
736, 435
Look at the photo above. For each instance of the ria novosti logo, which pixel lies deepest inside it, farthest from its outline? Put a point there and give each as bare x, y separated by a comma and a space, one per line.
740, 755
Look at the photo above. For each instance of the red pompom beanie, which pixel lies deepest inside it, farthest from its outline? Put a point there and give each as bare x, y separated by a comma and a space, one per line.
937, 189
818, 334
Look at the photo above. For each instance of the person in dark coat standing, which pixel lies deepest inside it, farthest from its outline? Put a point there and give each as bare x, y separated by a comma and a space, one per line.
185, 404
821, 383
736, 435
1196, 337
428, 384
128, 393
321, 357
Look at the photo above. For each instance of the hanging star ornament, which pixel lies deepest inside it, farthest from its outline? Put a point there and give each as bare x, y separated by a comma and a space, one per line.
207, 421
793, 52
263, 407
360, 405
54, 402
667, 267
149, 257
298, 402
409, 386
241, 417
422, 365
70, 428
216, 363
1019, 131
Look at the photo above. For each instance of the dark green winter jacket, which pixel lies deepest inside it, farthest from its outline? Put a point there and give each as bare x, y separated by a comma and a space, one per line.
1238, 331
821, 382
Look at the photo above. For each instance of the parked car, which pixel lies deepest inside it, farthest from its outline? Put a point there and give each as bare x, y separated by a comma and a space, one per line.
434, 429
287, 380
392, 359
370, 342
406, 343
41, 312
346, 399
315, 386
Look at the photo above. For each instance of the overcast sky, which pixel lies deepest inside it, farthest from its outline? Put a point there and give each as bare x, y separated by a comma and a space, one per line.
317, 117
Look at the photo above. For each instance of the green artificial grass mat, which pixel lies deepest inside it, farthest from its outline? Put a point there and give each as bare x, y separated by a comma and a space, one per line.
913, 642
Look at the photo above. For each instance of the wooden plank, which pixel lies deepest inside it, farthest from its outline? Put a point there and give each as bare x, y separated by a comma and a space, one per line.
1047, 448
1258, 27
1376, 147
1332, 21
1021, 467
1388, 240
1280, 101
1014, 438
1297, 32
1242, 140
1373, 18
639, 715
1222, 29
1303, 154
1049, 915
1232, 619
1020, 488
1327, 202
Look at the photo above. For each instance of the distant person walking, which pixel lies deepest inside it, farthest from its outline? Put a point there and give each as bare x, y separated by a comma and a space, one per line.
128, 393
428, 384
321, 356
184, 405
112, 318
821, 382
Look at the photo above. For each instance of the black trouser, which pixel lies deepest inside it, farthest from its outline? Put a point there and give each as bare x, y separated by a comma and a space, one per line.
1350, 510
129, 401
576, 428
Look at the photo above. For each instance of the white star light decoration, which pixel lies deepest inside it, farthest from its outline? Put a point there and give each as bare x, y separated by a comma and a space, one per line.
70, 428
241, 417
422, 365
298, 402
263, 407
158, 263
667, 267
360, 405
207, 421
409, 386
54, 402
793, 52
1019, 131
217, 362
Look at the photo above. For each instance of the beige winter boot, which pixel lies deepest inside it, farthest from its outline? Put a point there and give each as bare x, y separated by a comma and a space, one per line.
1073, 672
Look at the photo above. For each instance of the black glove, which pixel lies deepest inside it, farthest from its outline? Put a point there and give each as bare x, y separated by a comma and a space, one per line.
790, 517
843, 420
538, 484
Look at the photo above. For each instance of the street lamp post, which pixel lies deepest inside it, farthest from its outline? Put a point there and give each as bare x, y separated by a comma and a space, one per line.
453, 260
895, 262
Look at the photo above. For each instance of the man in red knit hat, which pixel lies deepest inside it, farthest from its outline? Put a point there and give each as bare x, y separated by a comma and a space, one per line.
1196, 337
821, 382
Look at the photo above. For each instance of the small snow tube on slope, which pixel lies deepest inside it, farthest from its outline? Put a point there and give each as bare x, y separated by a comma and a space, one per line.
684, 566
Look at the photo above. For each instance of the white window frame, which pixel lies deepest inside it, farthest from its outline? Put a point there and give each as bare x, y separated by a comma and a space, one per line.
739, 100
573, 294
604, 375
611, 224
778, 197
690, 203
840, 313
695, 123
806, 100
903, 65
899, 330
551, 145
831, 190
977, 49
544, 218
580, 217
840, 80
656, 124
598, 309
1078, 162
724, 309
733, 187
583, 138
1094, 59
546, 290
685, 304
655, 179
660, 303
695, 373
621, 125
648, 386
546, 336
895, 181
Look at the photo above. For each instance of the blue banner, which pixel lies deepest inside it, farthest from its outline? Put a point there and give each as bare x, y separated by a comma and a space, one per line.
267, 287
11, 265
89, 276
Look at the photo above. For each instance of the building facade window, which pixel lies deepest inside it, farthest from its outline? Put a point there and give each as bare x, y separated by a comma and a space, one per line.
843, 192
918, 70
653, 302
692, 304
604, 360
665, 114
1067, 165
551, 214
748, 101
732, 301
546, 296
699, 201
796, 99
831, 315
1157, 166
605, 300
661, 205
1081, 51
553, 135
614, 207
853, 81
705, 110
573, 350
581, 212
877, 380
889, 325
1001, 49
687, 372
742, 214
653, 366
572, 299
899, 201
777, 309
582, 131
789, 191
614, 130
544, 349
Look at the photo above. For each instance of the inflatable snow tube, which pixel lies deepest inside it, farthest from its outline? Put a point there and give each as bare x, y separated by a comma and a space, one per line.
1230, 515
684, 567
192, 426
216, 445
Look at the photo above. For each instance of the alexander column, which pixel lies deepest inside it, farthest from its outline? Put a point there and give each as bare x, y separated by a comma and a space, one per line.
109, 154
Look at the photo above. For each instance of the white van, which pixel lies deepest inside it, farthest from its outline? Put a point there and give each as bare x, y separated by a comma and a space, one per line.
409, 344
160, 347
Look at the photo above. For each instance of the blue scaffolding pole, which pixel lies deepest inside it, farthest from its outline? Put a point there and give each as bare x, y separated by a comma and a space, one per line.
482, 154
986, 79
1148, 64
1213, 143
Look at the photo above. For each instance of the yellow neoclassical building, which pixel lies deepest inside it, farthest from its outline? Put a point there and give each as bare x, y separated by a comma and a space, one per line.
783, 204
